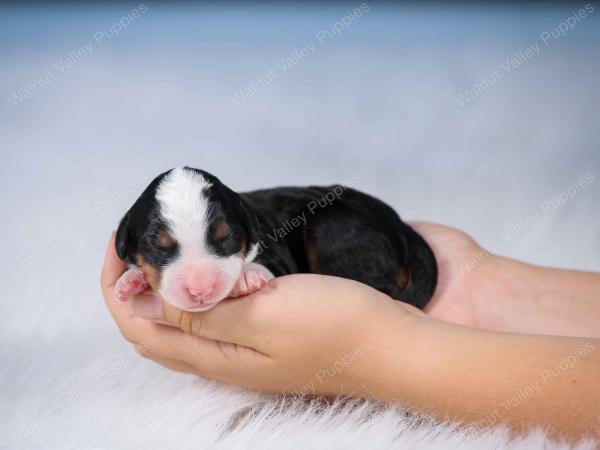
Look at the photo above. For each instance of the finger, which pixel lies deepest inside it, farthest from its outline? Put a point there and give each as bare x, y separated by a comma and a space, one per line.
112, 270
113, 267
183, 337
169, 363
132, 328
167, 336
147, 305
168, 342
423, 226
419, 223
430, 228
217, 360
233, 321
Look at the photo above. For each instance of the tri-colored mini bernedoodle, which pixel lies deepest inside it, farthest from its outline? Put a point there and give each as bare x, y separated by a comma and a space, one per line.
196, 242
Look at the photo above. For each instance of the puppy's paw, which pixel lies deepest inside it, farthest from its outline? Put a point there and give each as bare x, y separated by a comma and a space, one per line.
131, 283
249, 281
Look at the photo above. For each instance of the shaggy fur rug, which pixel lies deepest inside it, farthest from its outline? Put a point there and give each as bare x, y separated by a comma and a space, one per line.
69, 399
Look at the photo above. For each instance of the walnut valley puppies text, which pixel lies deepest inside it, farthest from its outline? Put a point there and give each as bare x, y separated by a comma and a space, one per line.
523, 225
301, 219
295, 56
522, 55
77, 55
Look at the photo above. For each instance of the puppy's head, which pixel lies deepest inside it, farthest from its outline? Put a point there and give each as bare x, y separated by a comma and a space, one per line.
191, 235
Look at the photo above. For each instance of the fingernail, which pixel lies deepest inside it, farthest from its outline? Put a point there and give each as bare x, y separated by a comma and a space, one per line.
147, 307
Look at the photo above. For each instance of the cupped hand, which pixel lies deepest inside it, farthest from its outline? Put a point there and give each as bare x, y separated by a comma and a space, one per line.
306, 334
464, 272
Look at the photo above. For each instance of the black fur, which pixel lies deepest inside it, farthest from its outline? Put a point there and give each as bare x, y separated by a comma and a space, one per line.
138, 229
352, 236
331, 230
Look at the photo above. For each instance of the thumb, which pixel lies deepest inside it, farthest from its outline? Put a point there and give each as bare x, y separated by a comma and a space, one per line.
147, 306
233, 320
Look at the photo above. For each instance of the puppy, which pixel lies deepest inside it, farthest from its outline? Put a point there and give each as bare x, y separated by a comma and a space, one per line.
196, 242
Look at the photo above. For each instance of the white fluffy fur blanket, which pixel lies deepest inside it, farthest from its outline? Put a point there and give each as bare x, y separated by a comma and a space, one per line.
82, 400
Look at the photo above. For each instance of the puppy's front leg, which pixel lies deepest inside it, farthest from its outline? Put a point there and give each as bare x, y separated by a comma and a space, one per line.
254, 276
131, 283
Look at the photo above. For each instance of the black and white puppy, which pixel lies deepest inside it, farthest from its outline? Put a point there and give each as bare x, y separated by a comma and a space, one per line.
196, 242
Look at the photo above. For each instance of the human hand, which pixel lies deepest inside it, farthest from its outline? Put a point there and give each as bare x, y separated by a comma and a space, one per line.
484, 290
318, 335
307, 334
459, 280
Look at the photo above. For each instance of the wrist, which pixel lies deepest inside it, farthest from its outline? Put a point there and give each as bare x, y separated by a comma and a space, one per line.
385, 376
499, 291
418, 369
517, 297
446, 372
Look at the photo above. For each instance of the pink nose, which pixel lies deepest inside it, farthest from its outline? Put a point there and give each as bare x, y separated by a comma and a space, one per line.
199, 283
199, 295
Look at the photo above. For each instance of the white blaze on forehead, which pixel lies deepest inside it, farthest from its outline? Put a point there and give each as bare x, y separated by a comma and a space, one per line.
184, 207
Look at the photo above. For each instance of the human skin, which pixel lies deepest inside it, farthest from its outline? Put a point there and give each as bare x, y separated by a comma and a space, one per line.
477, 288
312, 334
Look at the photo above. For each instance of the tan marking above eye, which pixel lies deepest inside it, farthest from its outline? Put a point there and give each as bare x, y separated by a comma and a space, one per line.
164, 239
221, 231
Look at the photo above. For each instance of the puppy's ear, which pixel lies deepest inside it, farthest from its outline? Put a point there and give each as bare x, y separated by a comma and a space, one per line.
123, 238
250, 221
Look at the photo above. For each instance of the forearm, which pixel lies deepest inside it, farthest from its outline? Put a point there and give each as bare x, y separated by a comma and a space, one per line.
523, 298
484, 378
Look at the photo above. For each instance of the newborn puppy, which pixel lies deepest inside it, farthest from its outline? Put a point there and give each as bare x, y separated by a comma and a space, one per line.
196, 242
